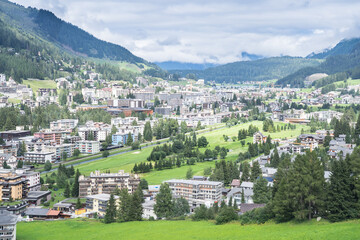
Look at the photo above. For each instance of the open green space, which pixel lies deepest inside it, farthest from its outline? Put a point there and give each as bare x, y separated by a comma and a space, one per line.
157, 230
126, 161
36, 84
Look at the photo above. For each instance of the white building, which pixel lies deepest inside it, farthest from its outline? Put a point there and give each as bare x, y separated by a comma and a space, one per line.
88, 147
39, 157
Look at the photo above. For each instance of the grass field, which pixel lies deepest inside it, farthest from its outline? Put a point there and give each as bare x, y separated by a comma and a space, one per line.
126, 161
181, 230
36, 84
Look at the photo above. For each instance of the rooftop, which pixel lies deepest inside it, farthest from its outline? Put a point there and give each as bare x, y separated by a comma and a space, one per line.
7, 218
194, 182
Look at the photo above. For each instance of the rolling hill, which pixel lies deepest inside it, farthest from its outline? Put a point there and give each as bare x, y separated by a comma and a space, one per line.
257, 70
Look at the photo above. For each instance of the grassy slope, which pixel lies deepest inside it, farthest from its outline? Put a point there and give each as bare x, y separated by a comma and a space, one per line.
126, 161
87, 229
36, 84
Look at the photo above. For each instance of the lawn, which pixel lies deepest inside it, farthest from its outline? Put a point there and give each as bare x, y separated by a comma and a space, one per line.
36, 84
179, 230
126, 161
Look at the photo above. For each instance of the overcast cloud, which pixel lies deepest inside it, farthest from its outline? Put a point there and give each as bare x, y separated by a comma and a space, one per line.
212, 31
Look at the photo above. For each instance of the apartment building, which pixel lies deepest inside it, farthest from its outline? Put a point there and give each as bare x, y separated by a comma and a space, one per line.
196, 192
52, 136
88, 147
98, 183
58, 150
7, 225
98, 203
12, 186
258, 137
32, 178
39, 157
64, 124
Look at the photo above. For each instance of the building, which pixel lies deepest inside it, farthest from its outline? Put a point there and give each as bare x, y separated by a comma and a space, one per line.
166, 111
258, 137
121, 139
98, 203
52, 136
64, 124
12, 186
39, 157
196, 192
7, 225
14, 135
38, 197
236, 195
148, 209
88, 147
32, 178
98, 183
59, 150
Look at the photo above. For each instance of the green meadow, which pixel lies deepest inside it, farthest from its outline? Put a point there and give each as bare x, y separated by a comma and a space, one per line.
126, 161
183, 230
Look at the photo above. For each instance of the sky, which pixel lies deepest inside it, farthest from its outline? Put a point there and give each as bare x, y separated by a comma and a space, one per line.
212, 31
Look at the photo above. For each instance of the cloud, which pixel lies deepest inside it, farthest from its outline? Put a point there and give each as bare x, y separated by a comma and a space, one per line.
211, 30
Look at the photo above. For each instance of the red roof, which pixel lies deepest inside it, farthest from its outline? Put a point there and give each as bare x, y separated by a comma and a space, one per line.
53, 213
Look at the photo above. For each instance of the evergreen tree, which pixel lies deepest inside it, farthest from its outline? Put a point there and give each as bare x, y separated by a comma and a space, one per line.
124, 211
78, 204
75, 187
164, 205
242, 196
136, 205
245, 172
255, 171
67, 190
129, 139
143, 184
47, 166
20, 164
181, 207
110, 214
148, 135
189, 173
262, 193
341, 201
275, 159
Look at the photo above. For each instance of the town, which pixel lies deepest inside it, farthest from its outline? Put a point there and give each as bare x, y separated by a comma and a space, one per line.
40, 177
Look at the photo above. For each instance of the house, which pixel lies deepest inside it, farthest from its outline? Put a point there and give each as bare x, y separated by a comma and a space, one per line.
63, 207
7, 225
98, 203
148, 209
236, 195
38, 197
258, 137
44, 213
235, 183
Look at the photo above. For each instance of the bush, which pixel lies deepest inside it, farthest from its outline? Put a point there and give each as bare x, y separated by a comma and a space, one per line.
226, 215
258, 215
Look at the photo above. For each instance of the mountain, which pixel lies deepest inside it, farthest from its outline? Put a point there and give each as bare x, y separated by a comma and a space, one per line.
65, 35
250, 57
343, 58
171, 65
258, 70
344, 47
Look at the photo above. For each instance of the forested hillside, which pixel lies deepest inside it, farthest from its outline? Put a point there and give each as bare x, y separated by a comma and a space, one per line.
344, 57
36, 44
259, 70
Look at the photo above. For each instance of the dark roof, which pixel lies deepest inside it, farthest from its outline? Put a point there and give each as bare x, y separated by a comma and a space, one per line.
34, 195
6, 218
245, 207
41, 212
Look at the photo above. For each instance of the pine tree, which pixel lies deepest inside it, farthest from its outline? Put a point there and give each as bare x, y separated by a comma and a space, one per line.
110, 214
124, 214
245, 172
164, 205
78, 204
75, 187
341, 201
136, 205
129, 139
148, 135
255, 171
242, 196
275, 159
67, 190
262, 193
